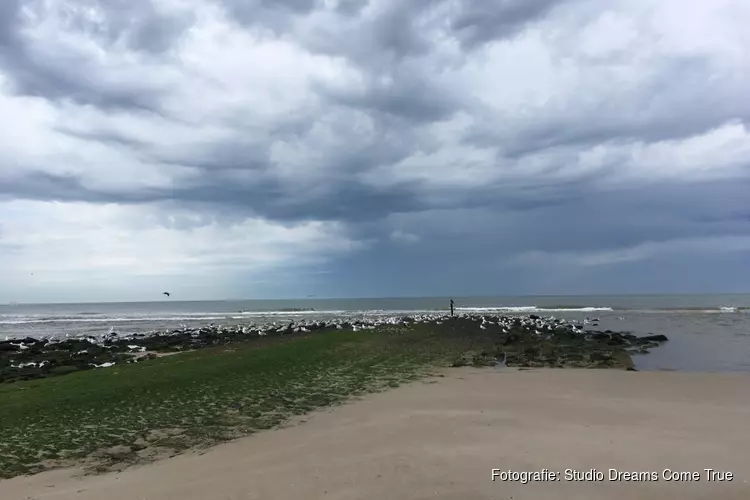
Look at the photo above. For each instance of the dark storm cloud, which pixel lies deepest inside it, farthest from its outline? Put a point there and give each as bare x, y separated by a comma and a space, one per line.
580, 221
44, 186
57, 80
247, 10
136, 22
350, 202
267, 197
351, 7
659, 110
48, 72
275, 15
395, 29
481, 21
9, 11
227, 155
406, 97
104, 137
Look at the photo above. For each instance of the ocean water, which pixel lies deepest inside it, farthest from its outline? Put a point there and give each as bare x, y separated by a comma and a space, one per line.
707, 332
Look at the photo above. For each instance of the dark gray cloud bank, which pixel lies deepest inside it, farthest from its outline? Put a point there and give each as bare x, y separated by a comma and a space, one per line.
429, 147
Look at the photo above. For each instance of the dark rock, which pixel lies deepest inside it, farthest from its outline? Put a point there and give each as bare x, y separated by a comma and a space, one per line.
139, 444
118, 452
616, 340
8, 347
654, 338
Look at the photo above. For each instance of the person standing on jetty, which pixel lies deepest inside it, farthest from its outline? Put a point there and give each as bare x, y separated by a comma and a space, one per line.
451, 307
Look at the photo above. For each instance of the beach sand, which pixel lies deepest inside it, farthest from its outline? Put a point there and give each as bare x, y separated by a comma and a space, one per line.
440, 439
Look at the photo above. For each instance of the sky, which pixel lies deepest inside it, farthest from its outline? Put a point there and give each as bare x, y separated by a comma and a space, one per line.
351, 148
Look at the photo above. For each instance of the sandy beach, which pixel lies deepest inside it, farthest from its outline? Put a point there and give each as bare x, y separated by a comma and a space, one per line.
441, 438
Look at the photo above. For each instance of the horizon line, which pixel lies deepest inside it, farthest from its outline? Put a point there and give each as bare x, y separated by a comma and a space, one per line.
650, 294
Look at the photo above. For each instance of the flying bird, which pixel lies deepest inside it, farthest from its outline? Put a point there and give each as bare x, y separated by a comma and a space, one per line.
166, 293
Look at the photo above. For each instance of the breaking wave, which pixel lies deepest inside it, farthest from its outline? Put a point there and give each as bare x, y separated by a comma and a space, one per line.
523, 309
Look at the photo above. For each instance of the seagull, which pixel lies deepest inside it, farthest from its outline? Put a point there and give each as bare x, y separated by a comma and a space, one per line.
166, 293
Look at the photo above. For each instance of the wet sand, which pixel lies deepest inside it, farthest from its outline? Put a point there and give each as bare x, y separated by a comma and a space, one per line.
441, 438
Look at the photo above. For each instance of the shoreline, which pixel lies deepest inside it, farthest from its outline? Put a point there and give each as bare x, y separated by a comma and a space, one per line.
443, 436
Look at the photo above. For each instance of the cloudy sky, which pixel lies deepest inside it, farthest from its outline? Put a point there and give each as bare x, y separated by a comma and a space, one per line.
282, 148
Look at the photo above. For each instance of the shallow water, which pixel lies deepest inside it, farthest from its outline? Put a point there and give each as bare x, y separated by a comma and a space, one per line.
707, 332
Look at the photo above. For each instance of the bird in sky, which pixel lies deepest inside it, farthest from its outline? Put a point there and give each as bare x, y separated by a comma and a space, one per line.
166, 293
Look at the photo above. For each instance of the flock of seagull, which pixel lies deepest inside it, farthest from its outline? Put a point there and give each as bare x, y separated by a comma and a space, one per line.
540, 325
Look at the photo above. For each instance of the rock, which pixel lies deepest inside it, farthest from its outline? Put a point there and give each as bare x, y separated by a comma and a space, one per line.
654, 338
118, 452
139, 444
617, 340
8, 347
157, 434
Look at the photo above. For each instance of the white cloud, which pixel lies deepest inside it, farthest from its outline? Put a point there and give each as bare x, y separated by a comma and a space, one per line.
75, 242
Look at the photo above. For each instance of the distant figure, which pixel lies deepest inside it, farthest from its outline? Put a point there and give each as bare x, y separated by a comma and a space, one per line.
166, 293
451, 307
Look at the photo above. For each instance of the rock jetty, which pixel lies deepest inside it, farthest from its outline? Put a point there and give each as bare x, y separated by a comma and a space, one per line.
547, 342
530, 341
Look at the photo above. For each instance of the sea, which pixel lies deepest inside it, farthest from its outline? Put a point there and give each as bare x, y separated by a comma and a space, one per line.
707, 332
